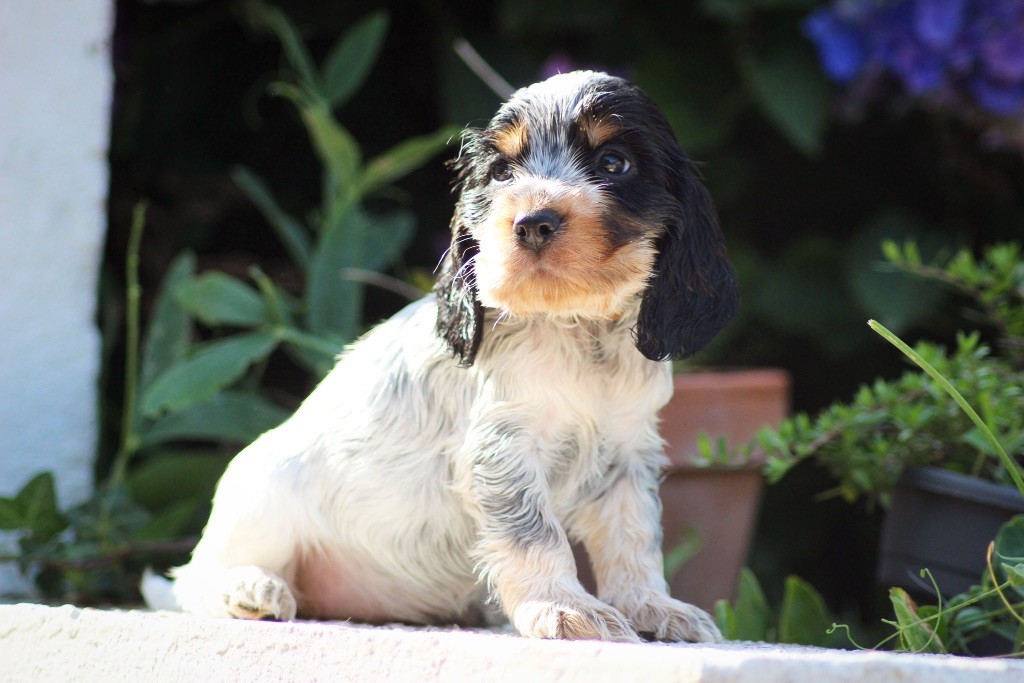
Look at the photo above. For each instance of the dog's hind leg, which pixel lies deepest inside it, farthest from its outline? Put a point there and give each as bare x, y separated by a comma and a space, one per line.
244, 565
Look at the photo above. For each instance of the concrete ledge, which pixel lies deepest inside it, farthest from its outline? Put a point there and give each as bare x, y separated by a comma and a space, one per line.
39, 643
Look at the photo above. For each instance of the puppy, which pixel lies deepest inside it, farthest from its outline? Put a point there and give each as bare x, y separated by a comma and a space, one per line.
455, 450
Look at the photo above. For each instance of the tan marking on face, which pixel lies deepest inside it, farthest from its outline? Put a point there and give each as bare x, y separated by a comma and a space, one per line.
600, 132
510, 141
581, 272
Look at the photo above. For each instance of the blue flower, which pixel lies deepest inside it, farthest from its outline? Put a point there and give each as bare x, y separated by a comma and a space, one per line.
840, 45
938, 22
895, 44
1004, 99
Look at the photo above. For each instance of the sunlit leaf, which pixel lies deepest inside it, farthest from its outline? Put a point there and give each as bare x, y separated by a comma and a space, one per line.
219, 299
170, 328
232, 416
405, 157
215, 366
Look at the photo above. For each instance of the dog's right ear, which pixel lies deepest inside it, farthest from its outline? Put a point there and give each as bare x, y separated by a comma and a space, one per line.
460, 315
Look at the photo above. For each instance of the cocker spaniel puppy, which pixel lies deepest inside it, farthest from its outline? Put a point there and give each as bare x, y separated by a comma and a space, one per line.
457, 447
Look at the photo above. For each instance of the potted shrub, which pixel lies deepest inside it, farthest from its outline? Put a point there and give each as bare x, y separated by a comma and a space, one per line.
710, 502
916, 445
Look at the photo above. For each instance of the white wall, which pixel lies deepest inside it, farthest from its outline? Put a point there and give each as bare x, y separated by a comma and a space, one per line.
55, 89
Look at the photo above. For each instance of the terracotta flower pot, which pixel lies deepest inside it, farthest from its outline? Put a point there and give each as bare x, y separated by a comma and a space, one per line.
719, 504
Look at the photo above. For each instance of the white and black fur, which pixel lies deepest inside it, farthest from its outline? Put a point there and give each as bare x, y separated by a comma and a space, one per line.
456, 448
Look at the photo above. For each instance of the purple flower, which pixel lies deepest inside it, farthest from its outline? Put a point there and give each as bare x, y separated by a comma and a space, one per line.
895, 44
938, 22
557, 63
1001, 40
954, 51
840, 45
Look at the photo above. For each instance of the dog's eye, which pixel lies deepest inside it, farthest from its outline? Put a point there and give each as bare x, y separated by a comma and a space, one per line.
501, 172
613, 164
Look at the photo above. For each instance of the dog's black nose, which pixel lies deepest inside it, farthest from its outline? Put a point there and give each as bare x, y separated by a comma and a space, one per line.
535, 230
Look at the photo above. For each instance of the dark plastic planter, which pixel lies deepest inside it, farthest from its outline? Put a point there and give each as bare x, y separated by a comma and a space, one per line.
942, 521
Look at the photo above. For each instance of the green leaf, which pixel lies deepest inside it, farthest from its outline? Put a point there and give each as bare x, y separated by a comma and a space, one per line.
334, 304
754, 618
1010, 550
896, 299
168, 478
1010, 540
215, 366
682, 552
788, 87
290, 231
1015, 574
170, 328
725, 619
11, 517
697, 89
170, 523
915, 635
37, 502
316, 353
337, 150
233, 416
386, 237
405, 157
803, 618
937, 622
219, 299
352, 57
295, 49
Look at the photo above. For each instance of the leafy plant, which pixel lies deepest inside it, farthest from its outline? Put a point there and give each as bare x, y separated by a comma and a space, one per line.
178, 391
801, 618
913, 420
995, 607
990, 612
86, 553
995, 282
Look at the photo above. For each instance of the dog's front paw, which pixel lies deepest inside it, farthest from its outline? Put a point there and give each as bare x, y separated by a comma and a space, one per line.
665, 618
254, 593
573, 618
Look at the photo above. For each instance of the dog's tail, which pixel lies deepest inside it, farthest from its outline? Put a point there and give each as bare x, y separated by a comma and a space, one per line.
158, 592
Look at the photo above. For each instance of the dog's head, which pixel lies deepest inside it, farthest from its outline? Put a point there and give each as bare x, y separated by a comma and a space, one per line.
575, 201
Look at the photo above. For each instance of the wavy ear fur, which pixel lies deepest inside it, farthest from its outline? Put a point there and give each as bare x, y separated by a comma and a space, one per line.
460, 315
692, 293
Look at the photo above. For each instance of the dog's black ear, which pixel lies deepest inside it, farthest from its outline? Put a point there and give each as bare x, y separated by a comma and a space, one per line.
460, 315
692, 292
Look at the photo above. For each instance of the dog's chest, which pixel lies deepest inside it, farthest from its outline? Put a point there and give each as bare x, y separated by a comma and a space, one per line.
584, 393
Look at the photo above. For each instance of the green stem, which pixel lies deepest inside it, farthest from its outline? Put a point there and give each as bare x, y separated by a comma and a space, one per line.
1008, 463
939, 614
129, 441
